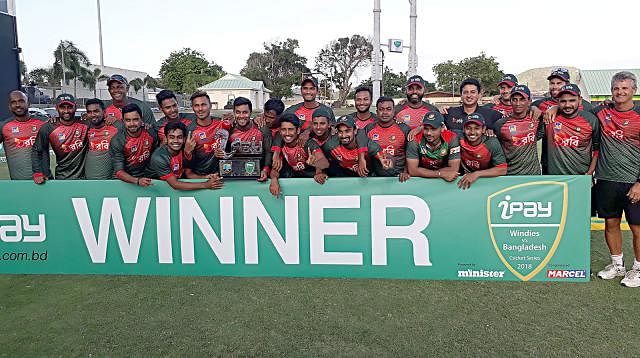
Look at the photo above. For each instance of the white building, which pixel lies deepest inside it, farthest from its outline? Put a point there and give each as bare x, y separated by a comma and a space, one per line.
230, 86
101, 91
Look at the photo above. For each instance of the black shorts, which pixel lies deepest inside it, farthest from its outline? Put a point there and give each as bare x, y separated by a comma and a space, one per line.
612, 200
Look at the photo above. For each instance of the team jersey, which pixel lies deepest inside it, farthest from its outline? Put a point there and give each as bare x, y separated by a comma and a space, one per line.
487, 154
98, 163
208, 139
412, 116
164, 165
69, 144
305, 114
619, 155
132, 154
545, 103
116, 112
162, 122
18, 138
348, 158
392, 140
434, 158
251, 142
504, 109
519, 138
295, 158
456, 115
361, 123
572, 143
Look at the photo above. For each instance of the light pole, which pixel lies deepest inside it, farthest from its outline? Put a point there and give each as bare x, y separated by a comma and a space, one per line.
376, 73
413, 56
100, 34
64, 76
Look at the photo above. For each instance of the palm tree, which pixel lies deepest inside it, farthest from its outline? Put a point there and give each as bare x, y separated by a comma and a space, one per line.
148, 82
91, 79
74, 66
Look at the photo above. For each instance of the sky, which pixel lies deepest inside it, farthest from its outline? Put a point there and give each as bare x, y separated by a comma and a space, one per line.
140, 34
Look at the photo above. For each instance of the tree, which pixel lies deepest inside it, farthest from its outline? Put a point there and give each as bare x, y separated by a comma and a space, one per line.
74, 66
341, 58
186, 70
42, 77
91, 79
486, 69
393, 84
279, 67
139, 83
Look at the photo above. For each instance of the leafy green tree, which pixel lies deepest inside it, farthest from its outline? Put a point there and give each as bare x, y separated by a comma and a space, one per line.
393, 84
485, 68
279, 67
74, 65
339, 60
186, 70
92, 77
139, 83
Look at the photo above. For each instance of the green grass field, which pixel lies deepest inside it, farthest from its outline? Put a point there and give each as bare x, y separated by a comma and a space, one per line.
221, 316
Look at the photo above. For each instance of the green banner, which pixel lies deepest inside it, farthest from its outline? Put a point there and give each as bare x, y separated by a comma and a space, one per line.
533, 228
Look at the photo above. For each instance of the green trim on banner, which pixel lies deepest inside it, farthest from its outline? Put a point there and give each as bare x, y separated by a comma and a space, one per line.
533, 228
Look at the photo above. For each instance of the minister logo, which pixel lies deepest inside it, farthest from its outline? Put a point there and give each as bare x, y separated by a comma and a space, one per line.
526, 223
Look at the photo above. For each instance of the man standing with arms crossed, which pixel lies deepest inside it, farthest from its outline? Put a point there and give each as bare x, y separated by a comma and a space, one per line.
19, 135
618, 175
304, 110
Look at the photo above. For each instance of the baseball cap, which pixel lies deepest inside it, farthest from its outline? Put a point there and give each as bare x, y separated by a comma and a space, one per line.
509, 79
523, 90
346, 120
117, 78
65, 98
570, 88
474, 118
321, 112
415, 80
310, 79
433, 118
561, 73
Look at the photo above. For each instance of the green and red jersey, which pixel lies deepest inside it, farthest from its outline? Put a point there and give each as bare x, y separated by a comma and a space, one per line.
132, 154
572, 143
160, 124
434, 158
412, 116
305, 114
164, 165
545, 103
619, 155
18, 138
348, 158
208, 139
69, 144
296, 156
116, 112
487, 154
252, 142
98, 163
504, 109
362, 123
519, 138
392, 140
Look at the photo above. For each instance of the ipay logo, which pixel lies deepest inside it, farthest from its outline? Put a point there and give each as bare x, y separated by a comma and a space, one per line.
18, 226
529, 209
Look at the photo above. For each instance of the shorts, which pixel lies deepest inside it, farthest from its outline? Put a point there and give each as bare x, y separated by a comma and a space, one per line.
611, 201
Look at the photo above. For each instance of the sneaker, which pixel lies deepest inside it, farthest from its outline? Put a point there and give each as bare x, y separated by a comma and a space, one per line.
611, 271
631, 279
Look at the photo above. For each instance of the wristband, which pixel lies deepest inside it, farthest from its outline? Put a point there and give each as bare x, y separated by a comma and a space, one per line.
138, 181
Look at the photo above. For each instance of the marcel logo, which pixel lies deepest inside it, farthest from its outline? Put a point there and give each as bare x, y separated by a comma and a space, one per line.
18, 228
566, 274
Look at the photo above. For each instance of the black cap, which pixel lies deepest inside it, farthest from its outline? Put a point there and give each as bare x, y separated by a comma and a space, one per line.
346, 120
322, 111
509, 79
433, 118
310, 79
561, 73
117, 78
521, 89
65, 98
570, 88
415, 80
474, 118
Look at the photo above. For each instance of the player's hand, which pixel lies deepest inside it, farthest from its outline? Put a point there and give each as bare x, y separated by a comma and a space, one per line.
550, 114
413, 133
189, 144
39, 179
228, 117
634, 193
304, 137
144, 182
536, 113
147, 126
404, 176
320, 178
387, 163
260, 121
276, 162
334, 131
449, 174
312, 159
467, 180
219, 153
264, 175
53, 119
495, 99
109, 120
444, 110
362, 167
489, 133
274, 188
214, 182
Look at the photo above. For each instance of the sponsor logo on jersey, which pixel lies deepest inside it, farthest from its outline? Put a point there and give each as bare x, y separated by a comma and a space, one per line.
34, 129
202, 135
392, 138
92, 135
76, 133
106, 133
578, 129
61, 137
375, 136
134, 148
15, 130
176, 167
513, 129
557, 126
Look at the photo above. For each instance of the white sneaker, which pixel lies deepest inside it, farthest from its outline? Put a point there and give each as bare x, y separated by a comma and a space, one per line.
631, 279
611, 271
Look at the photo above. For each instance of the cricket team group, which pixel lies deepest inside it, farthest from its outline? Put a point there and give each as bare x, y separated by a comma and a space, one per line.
121, 139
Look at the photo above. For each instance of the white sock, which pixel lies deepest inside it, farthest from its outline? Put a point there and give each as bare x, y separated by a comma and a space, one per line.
636, 264
617, 259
